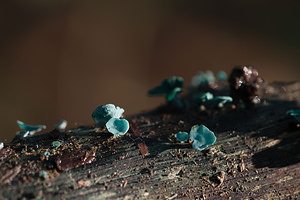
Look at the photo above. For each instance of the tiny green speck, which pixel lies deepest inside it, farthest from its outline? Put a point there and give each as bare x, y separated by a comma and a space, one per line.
44, 174
56, 144
199, 98
295, 113
222, 75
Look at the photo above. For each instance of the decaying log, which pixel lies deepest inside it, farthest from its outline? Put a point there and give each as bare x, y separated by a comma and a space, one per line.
256, 155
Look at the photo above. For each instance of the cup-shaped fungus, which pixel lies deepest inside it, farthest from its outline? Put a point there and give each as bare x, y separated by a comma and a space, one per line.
117, 126
169, 87
103, 113
62, 125
202, 137
200, 98
294, 113
203, 79
222, 75
29, 129
221, 100
56, 144
182, 136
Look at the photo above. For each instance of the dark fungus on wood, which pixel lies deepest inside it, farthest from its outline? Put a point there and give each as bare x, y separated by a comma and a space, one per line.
74, 159
245, 84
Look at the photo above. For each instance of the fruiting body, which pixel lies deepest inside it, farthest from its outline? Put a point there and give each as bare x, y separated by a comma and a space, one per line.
32, 129
203, 79
117, 126
202, 137
103, 113
182, 136
61, 125
169, 87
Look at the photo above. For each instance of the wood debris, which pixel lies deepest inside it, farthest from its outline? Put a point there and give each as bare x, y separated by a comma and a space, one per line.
10, 175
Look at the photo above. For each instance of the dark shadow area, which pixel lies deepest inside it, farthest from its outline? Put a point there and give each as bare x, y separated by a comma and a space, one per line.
286, 152
247, 120
159, 144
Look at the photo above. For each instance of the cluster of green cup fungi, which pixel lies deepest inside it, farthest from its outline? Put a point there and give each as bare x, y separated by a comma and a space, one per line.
201, 136
109, 115
173, 86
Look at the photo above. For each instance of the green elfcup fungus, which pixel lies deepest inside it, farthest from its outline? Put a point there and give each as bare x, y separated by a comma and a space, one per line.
30, 128
200, 98
295, 113
1, 145
44, 174
103, 113
203, 79
182, 136
222, 100
117, 126
56, 144
62, 125
170, 88
222, 75
202, 137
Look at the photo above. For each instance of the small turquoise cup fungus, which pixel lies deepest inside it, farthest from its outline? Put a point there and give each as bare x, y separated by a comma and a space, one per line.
44, 174
222, 76
203, 79
295, 113
62, 125
200, 98
221, 100
1, 145
202, 137
103, 113
169, 87
30, 128
117, 126
182, 136
56, 144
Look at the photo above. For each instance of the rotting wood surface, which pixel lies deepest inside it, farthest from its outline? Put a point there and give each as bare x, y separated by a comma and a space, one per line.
256, 156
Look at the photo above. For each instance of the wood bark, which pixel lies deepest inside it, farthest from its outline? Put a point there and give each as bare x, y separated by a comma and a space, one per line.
256, 156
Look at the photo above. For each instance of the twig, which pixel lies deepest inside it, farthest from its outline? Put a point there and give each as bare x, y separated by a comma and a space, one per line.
138, 138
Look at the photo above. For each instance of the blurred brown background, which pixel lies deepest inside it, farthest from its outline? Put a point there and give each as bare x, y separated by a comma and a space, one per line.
61, 59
